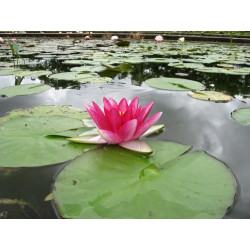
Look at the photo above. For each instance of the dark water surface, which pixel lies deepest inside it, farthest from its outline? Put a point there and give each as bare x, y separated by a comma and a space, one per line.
204, 125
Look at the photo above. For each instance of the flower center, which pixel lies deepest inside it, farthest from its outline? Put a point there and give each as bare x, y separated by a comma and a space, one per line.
121, 113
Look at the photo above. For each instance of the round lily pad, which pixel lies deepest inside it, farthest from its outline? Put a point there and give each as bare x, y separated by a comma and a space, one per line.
88, 69
112, 182
47, 111
242, 116
24, 89
71, 76
174, 84
186, 65
29, 141
10, 71
221, 71
32, 73
211, 96
96, 80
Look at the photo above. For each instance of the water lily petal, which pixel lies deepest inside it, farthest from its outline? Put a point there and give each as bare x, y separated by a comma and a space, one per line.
137, 146
113, 103
127, 115
109, 136
134, 105
115, 119
142, 115
100, 121
127, 130
88, 139
154, 129
123, 105
143, 127
107, 104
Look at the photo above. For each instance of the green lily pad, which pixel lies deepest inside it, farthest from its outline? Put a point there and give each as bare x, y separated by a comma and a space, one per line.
47, 111
186, 65
242, 116
25, 142
124, 67
88, 69
112, 182
24, 89
10, 71
32, 73
96, 80
72, 76
161, 60
174, 84
211, 96
221, 71
77, 62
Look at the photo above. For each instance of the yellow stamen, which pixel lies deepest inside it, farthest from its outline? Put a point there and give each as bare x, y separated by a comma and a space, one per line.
121, 113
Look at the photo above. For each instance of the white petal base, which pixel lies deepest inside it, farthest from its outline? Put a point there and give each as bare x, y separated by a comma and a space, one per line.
137, 146
88, 139
154, 129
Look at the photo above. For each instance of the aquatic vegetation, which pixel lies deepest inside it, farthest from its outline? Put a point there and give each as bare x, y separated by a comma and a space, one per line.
159, 39
25, 89
182, 41
15, 50
121, 124
177, 84
211, 96
114, 183
242, 116
114, 38
129, 181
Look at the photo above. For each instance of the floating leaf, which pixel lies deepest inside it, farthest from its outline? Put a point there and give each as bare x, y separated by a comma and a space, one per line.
47, 111
25, 89
125, 67
173, 84
32, 73
112, 182
161, 60
71, 76
6, 72
242, 116
25, 141
211, 96
96, 80
221, 71
88, 69
186, 65
18, 209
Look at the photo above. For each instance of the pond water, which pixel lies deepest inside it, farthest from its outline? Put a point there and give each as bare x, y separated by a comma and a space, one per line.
205, 125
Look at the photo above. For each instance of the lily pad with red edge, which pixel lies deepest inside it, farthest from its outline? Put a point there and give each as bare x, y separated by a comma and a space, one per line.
114, 183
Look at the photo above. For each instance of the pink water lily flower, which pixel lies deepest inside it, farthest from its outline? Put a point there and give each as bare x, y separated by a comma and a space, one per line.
121, 123
13, 39
1, 40
114, 38
87, 38
158, 39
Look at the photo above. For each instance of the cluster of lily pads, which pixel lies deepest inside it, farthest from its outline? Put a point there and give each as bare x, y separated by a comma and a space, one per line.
109, 181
